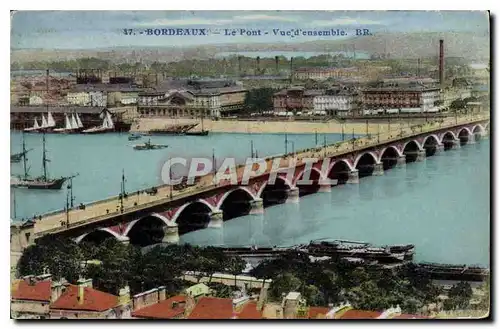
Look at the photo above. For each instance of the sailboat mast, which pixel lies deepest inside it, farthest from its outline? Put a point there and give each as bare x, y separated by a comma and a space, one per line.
44, 158
15, 205
24, 159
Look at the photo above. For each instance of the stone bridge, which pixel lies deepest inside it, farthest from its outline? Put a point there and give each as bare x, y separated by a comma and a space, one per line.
164, 219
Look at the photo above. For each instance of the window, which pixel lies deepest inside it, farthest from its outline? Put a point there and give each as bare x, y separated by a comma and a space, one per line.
27, 236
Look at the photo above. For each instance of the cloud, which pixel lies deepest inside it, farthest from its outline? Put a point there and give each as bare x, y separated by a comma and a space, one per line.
346, 21
187, 21
216, 21
266, 18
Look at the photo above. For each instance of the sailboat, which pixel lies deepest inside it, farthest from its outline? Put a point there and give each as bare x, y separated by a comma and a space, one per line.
78, 121
67, 126
35, 127
203, 132
18, 156
42, 182
107, 125
51, 123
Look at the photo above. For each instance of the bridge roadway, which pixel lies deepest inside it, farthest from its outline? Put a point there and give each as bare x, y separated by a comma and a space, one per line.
106, 209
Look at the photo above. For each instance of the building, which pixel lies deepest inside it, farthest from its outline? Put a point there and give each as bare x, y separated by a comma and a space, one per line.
78, 98
31, 297
82, 301
324, 73
335, 101
193, 98
35, 100
401, 98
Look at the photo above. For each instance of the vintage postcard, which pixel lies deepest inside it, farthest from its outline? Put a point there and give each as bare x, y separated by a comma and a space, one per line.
250, 165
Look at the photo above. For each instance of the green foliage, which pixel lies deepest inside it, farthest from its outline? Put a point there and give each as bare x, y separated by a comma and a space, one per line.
259, 100
458, 297
334, 281
235, 265
58, 255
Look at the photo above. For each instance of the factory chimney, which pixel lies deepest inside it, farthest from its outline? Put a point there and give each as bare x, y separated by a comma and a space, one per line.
258, 65
276, 62
441, 62
291, 69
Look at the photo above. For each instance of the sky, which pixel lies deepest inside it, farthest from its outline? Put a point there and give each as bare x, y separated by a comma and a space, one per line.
103, 29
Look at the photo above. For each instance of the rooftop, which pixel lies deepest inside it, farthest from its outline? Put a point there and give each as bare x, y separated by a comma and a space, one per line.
212, 308
162, 310
93, 300
56, 109
358, 314
38, 291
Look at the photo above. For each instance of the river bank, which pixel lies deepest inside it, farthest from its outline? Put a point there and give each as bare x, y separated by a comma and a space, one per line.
270, 127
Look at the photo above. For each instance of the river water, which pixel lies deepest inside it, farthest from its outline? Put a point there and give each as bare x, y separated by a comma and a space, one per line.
442, 205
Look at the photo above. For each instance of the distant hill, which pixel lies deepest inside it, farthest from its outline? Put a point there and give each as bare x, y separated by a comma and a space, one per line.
398, 45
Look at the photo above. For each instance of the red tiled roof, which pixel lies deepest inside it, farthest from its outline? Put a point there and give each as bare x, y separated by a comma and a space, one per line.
212, 308
410, 316
94, 300
39, 291
357, 314
250, 312
315, 311
161, 310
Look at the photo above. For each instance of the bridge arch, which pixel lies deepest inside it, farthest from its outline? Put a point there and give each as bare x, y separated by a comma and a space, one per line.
448, 134
274, 193
304, 188
464, 135
411, 141
411, 150
98, 235
389, 157
478, 128
365, 164
394, 147
226, 195
374, 156
164, 219
430, 145
340, 170
236, 202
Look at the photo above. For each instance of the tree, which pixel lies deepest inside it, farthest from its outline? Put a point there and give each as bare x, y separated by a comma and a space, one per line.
459, 296
258, 100
235, 266
283, 284
60, 256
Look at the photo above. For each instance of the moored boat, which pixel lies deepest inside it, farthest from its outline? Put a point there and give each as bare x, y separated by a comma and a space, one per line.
133, 137
106, 127
43, 182
149, 146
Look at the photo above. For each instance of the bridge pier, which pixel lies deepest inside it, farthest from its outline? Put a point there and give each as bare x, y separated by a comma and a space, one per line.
292, 195
353, 177
324, 188
456, 144
420, 155
216, 219
257, 206
401, 161
439, 148
378, 169
124, 239
171, 234
471, 139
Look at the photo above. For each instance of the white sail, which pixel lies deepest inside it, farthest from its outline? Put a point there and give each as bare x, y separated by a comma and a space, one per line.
74, 125
110, 121
50, 120
44, 122
35, 125
78, 121
105, 123
67, 123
